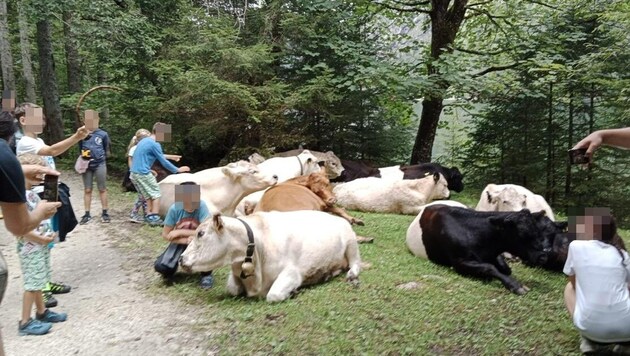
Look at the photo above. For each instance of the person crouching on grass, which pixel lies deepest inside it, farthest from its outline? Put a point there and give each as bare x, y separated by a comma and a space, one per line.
597, 295
183, 218
34, 257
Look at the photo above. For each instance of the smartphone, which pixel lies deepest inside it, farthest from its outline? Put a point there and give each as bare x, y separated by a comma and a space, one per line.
51, 191
578, 156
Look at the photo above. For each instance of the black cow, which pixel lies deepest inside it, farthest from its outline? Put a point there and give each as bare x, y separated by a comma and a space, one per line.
355, 170
453, 175
472, 242
157, 167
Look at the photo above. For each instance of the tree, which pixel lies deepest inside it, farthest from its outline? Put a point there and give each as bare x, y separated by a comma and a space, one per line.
50, 93
25, 51
8, 78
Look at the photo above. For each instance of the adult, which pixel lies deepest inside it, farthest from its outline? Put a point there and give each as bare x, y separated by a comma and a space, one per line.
17, 218
148, 150
609, 137
96, 149
597, 295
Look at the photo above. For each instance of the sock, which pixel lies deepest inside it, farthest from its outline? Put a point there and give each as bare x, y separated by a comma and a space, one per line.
87, 213
104, 211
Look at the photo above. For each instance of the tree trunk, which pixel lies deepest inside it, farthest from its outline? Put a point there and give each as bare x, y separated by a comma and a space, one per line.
25, 50
567, 182
72, 54
550, 178
50, 93
8, 78
445, 23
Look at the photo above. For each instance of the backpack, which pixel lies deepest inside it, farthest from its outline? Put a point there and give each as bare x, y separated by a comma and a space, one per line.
166, 263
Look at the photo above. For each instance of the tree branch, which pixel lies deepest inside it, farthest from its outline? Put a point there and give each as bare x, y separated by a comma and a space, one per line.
479, 3
391, 7
542, 4
470, 51
419, 3
497, 69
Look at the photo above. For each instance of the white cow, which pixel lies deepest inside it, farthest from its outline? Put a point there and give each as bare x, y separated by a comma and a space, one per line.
391, 196
285, 168
222, 188
414, 233
291, 249
512, 197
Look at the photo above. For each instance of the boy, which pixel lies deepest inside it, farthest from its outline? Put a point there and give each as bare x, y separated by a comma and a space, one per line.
182, 220
147, 152
34, 257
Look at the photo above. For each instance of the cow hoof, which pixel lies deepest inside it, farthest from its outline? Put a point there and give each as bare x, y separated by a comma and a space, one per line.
354, 282
521, 290
364, 240
358, 222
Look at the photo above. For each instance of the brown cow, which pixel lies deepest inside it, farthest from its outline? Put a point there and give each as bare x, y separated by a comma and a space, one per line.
291, 197
319, 184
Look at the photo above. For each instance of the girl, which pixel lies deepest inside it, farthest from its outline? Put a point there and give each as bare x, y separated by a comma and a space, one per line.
141, 202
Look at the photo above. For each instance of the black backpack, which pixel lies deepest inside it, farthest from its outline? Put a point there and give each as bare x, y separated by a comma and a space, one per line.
166, 263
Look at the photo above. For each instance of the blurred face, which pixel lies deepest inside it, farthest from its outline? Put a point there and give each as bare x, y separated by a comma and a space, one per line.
8, 100
163, 133
91, 120
189, 196
33, 120
589, 226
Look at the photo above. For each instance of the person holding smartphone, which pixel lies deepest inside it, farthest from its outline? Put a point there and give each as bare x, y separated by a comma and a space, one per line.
609, 137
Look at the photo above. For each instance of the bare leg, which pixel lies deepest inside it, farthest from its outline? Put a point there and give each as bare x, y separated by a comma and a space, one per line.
87, 199
569, 298
39, 302
154, 205
104, 202
27, 306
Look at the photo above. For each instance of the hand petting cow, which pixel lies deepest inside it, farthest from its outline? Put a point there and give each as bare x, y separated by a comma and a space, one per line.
273, 254
391, 196
472, 242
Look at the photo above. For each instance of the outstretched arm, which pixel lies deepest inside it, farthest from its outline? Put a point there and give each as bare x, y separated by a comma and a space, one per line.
62, 146
611, 137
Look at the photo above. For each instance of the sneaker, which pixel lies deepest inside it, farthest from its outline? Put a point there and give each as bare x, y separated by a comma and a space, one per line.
621, 349
154, 220
49, 300
206, 282
136, 218
590, 347
34, 327
57, 288
50, 316
85, 219
105, 218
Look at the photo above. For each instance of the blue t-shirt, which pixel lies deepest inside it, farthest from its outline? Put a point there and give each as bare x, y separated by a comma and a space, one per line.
177, 214
146, 153
94, 148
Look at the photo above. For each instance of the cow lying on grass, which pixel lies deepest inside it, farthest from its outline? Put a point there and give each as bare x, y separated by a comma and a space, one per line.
472, 242
283, 252
512, 197
391, 196
453, 175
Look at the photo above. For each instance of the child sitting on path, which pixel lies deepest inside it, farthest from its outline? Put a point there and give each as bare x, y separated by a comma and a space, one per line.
183, 218
34, 257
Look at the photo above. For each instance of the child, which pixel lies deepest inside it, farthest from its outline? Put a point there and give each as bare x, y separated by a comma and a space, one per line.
182, 220
147, 152
597, 295
34, 257
141, 202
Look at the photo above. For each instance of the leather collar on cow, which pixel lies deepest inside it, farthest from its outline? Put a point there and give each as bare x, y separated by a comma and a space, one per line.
250, 251
301, 166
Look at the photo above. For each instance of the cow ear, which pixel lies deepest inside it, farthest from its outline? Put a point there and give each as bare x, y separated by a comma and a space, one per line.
436, 176
321, 163
524, 200
306, 151
217, 222
228, 171
563, 226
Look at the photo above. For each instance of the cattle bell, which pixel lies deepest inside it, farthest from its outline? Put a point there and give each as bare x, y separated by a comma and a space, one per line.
247, 268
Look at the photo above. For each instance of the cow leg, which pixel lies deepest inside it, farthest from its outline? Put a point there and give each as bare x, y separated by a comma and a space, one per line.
502, 266
344, 214
235, 286
354, 261
485, 270
288, 280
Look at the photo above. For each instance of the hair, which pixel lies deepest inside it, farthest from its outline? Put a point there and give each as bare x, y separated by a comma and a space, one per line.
7, 125
188, 183
140, 134
29, 158
156, 125
20, 110
610, 236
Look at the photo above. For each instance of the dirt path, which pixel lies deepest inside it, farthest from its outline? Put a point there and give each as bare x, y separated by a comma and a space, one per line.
109, 310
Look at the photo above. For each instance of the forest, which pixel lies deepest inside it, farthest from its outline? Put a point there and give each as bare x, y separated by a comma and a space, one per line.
235, 77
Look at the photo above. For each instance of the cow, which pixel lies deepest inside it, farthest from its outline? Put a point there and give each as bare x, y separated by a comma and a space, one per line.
355, 170
331, 161
413, 231
291, 197
255, 158
512, 197
280, 255
472, 242
221, 188
285, 168
319, 184
160, 173
453, 175
390, 196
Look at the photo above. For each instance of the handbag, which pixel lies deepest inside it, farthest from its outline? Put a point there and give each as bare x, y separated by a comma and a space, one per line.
166, 263
81, 165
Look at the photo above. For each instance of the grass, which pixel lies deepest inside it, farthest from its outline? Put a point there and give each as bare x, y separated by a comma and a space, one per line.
446, 313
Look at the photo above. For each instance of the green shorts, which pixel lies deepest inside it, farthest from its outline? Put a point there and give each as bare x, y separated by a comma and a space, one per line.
35, 262
146, 184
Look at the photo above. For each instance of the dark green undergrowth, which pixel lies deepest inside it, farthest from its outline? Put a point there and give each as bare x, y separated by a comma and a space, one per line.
445, 314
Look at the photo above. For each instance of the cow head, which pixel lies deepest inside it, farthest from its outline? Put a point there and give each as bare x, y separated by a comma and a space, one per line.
309, 162
523, 236
333, 166
210, 247
454, 179
557, 236
248, 176
507, 199
319, 184
440, 188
